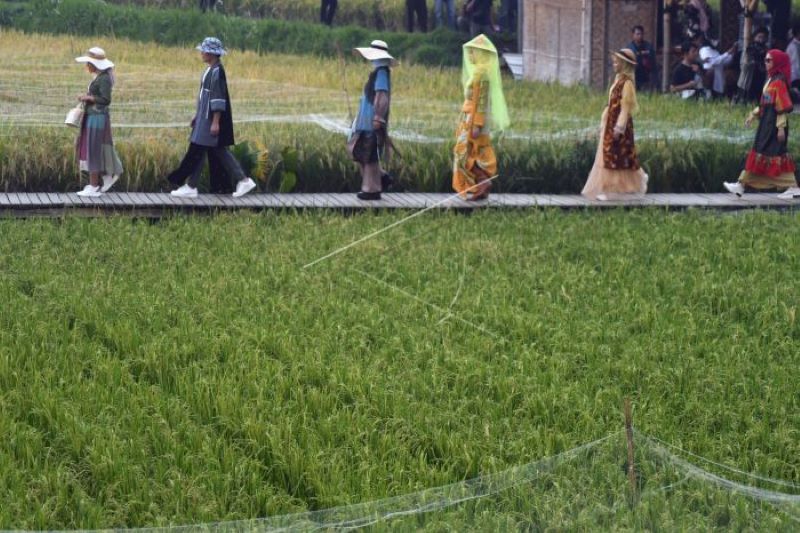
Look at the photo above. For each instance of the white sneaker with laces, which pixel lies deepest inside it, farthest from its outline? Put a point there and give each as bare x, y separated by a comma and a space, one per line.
108, 182
734, 187
185, 191
244, 186
90, 191
791, 192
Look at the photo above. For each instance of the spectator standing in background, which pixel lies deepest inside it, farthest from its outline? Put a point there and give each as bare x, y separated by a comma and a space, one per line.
645, 60
508, 16
780, 17
327, 9
479, 13
793, 50
420, 9
439, 7
753, 72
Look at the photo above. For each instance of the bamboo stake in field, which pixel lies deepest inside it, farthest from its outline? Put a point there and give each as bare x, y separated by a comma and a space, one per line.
344, 80
629, 439
666, 45
750, 8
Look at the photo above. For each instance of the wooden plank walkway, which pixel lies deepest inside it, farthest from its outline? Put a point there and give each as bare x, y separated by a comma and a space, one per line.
154, 204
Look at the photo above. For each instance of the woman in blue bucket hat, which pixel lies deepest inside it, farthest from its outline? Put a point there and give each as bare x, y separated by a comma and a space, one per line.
212, 132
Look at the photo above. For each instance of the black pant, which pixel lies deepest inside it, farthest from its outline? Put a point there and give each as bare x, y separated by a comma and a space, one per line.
223, 168
327, 9
421, 9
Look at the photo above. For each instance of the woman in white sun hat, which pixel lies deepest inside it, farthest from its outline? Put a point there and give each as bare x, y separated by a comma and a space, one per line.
369, 141
95, 146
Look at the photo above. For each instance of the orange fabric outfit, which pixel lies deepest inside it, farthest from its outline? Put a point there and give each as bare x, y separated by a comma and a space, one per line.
474, 158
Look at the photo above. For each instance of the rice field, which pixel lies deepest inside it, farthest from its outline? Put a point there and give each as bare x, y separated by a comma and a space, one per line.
288, 89
191, 370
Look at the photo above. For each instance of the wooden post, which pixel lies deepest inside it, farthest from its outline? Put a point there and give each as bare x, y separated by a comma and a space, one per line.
629, 438
750, 8
666, 44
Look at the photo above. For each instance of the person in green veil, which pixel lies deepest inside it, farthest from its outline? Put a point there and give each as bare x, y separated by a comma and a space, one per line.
484, 111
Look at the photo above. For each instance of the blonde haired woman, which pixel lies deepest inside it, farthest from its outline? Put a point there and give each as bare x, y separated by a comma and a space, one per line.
616, 167
484, 110
95, 146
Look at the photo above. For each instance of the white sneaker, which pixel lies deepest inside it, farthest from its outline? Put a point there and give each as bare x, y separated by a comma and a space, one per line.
108, 182
602, 197
91, 191
244, 186
734, 187
185, 191
791, 192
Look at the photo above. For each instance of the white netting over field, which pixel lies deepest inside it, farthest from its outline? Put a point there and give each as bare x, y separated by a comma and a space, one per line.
585, 488
152, 99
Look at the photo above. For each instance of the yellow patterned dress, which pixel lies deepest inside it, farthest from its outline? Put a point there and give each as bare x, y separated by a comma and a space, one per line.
474, 158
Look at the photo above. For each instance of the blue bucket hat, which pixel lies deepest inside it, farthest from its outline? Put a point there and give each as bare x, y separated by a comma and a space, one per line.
211, 45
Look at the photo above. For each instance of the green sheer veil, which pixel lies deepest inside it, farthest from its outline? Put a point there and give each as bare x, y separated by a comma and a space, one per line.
480, 55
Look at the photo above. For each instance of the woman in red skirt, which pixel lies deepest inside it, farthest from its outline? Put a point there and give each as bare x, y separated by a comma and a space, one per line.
769, 165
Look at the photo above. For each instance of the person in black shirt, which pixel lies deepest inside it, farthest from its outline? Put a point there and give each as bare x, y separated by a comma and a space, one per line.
327, 10
480, 17
686, 78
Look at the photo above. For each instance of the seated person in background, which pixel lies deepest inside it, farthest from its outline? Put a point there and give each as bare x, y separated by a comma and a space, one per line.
714, 65
686, 78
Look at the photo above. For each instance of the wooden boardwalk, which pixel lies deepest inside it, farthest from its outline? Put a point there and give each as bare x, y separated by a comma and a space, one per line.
156, 204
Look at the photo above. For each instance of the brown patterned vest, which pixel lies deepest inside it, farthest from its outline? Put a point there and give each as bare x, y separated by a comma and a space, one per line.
618, 154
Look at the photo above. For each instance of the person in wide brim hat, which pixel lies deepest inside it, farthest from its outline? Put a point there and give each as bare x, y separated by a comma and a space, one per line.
369, 143
625, 54
211, 45
377, 51
95, 150
96, 56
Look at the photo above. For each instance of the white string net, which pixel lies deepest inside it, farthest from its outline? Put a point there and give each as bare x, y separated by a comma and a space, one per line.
584, 488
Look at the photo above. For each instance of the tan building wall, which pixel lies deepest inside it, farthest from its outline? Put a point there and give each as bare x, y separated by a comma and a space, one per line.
570, 40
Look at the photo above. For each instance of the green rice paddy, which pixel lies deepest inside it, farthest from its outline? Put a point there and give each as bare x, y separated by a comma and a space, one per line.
190, 370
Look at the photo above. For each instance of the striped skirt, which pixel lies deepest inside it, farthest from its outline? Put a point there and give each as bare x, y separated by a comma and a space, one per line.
95, 147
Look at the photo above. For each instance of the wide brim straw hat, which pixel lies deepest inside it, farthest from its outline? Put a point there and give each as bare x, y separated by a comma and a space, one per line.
625, 54
97, 57
376, 50
211, 45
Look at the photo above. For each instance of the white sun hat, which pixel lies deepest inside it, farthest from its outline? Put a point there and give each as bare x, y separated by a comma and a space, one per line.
377, 50
97, 57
